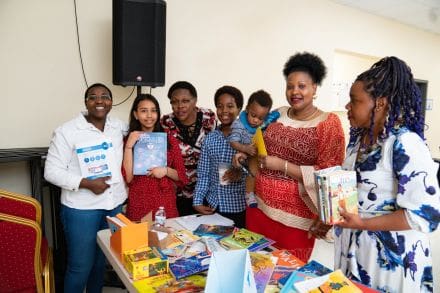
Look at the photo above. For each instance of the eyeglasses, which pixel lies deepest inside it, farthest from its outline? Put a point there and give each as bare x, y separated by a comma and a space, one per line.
94, 98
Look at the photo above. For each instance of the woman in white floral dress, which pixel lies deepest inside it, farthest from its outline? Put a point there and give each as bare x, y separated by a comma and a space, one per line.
386, 246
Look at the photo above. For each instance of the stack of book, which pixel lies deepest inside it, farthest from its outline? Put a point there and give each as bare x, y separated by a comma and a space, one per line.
336, 188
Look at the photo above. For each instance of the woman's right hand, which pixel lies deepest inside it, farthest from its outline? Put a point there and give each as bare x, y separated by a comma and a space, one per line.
97, 186
132, 139
205, 210
238, 158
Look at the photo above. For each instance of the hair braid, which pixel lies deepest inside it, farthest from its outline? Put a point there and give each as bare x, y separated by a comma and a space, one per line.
392, 78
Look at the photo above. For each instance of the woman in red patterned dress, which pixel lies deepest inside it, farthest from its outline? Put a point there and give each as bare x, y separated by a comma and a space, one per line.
148, 192
302, 140
190, 125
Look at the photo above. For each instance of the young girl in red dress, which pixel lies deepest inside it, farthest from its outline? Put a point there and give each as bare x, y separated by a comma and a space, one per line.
158, 188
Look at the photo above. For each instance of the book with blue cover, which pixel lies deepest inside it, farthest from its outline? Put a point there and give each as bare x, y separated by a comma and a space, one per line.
185, 267
214, 231
150, 151
309, 270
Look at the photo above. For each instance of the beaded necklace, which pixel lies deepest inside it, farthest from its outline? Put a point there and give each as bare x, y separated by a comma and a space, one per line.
365, 150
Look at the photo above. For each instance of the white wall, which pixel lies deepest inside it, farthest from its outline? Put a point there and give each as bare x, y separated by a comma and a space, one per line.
210, 43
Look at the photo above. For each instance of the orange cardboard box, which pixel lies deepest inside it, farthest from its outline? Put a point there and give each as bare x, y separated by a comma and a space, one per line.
131, 236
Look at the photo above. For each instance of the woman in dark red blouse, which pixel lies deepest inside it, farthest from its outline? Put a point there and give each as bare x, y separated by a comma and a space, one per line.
158, 188
189, 124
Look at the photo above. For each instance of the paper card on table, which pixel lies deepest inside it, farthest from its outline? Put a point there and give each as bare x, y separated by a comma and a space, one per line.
259, 142
193, 221
97, 159
230, 272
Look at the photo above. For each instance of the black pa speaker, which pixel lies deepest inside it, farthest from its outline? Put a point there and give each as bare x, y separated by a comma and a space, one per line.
139, 28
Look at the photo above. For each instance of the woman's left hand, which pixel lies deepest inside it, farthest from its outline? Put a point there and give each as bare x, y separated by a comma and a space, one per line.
271, 163
158, 172
233, 175
353, 221
319, 229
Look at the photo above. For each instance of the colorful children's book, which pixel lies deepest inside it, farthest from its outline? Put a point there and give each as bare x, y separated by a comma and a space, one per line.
97, 159
214, 231
333, 282
240, 239
184, 267
261, 244
309, 270
212, 245
149, 151
342, 193
184, 250
145, 262
336, 188
150, 285
259, 142
278, 274
194, 284
185, 236
286, 264
262, 267
287, 259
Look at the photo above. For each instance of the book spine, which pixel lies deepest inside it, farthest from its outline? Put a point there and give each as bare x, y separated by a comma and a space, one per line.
320, 195
325, 190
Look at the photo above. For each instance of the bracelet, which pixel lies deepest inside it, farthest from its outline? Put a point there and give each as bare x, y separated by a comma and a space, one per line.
285, 168
128, 148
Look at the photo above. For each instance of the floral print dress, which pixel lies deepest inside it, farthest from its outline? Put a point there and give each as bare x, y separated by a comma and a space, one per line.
398, 173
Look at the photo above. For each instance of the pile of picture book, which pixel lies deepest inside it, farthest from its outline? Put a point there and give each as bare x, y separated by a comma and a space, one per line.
336, 188
291, 275
189, 253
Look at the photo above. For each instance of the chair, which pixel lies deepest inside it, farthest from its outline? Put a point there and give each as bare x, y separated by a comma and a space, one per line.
24, 207
20, 205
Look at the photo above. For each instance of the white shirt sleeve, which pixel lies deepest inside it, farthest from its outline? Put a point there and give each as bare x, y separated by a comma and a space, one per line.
56, 169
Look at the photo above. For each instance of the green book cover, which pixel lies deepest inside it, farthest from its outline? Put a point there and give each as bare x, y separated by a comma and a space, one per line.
241, 239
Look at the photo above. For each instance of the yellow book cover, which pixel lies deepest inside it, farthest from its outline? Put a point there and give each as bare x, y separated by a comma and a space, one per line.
333, 282
149, 285
259, 142
145, 262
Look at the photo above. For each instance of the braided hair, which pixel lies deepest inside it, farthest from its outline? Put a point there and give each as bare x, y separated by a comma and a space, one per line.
392, 78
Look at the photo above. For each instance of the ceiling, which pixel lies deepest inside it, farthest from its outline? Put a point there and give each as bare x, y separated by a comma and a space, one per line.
422, 14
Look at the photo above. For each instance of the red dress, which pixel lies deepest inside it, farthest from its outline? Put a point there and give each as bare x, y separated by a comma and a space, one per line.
146, 194
285, 210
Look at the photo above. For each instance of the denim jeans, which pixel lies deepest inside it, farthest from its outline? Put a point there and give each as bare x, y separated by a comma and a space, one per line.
85, 260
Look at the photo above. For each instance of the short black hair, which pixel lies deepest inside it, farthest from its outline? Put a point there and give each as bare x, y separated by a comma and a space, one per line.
262, 98
306, 62
184, 85
97, 85
233, 91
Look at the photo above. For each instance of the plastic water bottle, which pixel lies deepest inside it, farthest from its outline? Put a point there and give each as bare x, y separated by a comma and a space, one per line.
160, 217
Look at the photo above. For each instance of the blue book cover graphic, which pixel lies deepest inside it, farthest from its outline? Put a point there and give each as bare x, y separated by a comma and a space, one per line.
96, 159
185, 267
149, 151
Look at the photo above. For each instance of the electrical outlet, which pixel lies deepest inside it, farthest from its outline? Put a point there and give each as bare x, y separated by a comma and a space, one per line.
429, 104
